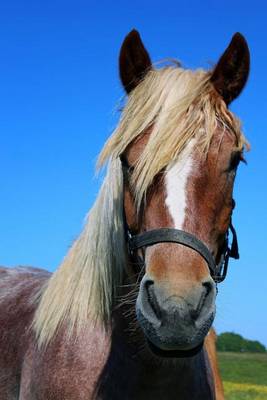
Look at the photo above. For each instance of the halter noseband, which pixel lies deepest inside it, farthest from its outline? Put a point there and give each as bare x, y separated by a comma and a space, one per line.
170, 235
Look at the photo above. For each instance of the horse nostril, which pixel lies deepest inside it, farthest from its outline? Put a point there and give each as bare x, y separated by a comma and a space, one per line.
151, 298
208, 285
149, 287
207, 289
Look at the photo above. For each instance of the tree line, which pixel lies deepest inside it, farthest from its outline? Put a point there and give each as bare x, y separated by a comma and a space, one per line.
229, 341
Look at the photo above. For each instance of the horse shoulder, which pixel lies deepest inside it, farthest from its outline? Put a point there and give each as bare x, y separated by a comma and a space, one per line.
18, 287
67, 367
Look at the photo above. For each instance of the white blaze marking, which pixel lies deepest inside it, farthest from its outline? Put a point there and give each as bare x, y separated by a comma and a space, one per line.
176, 181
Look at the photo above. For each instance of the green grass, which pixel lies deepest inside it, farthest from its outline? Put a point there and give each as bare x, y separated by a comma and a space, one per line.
244, 375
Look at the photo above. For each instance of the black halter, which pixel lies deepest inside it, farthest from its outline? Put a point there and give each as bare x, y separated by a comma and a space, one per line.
169, 235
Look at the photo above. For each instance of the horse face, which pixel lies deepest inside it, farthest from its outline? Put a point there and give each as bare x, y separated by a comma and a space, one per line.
176, 300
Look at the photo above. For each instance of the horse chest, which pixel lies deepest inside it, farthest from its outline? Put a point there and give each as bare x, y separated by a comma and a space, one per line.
98, 371
123, 378
158, 387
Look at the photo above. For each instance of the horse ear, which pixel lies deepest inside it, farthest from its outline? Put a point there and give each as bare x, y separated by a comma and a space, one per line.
231, 73
134, 61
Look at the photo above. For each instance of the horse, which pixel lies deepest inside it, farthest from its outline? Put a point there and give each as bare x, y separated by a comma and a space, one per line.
128, 314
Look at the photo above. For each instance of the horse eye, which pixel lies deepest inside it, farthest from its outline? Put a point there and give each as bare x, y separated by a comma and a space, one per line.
235, 159
127, 168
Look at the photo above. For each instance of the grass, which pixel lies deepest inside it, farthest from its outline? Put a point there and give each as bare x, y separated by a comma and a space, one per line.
244, 375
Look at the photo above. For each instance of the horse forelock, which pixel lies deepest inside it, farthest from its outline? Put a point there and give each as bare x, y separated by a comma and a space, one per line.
176, 105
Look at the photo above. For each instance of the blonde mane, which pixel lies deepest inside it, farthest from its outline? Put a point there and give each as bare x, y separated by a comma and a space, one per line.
177, 105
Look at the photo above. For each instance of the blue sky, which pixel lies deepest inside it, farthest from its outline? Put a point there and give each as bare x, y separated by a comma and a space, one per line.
59, 94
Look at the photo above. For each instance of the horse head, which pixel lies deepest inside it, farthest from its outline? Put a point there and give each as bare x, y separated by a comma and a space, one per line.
179, 172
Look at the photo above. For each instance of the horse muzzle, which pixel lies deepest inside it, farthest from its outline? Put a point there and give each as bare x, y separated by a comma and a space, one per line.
175, 321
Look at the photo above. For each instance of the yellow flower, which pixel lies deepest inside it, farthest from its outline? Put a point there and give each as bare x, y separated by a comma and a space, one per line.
253, 392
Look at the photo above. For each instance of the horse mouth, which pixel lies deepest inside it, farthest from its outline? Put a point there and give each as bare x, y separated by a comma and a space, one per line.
174, 353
